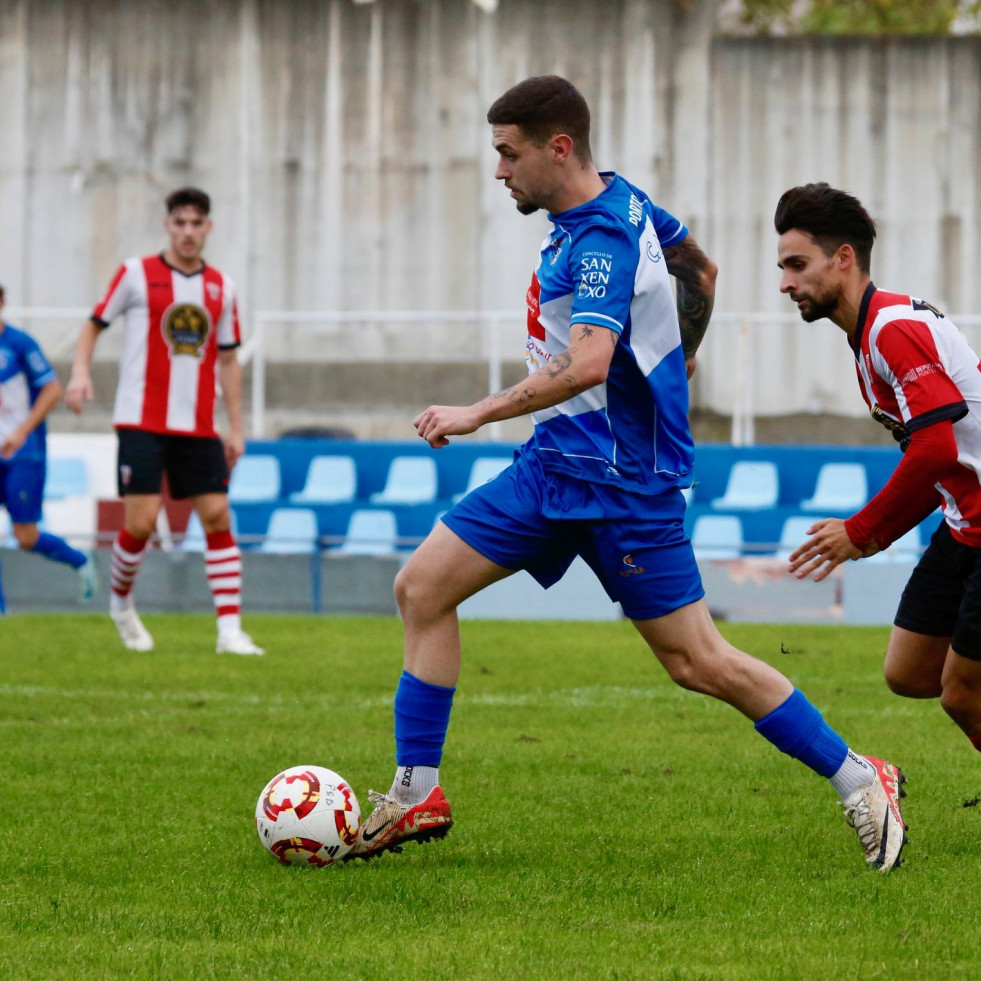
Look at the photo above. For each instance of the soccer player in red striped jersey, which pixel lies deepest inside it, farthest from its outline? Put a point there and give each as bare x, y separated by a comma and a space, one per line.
920, 379
180, 335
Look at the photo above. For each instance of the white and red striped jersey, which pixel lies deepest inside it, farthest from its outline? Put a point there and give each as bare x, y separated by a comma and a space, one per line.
916, 368
174, 325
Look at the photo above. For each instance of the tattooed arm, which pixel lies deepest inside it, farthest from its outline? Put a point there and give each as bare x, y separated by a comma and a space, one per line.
582, 365
695, 273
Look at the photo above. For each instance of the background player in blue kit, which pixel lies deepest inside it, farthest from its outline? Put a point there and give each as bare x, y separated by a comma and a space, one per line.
609, 350
29, 390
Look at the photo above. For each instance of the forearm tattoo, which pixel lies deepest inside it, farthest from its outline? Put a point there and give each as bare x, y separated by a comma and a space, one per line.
696, 291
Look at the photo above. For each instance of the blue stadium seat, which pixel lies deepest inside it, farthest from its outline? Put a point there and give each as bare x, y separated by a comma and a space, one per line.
484, 468
370, 531
840, 487
255, 479
330, 480
411, 480
752, 486
291, 531
794, 533
717, 536
67, 477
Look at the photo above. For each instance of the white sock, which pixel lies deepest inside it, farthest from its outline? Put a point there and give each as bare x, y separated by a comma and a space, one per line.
120, 604
229, 623
413, 783
854, 774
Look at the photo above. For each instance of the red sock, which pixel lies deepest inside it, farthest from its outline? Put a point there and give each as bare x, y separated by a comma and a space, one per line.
223, 565
127, 554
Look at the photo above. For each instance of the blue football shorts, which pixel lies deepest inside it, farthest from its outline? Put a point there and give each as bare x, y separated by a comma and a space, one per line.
22, 488
526, 518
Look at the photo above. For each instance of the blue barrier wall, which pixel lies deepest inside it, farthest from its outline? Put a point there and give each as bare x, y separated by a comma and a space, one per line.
797, 466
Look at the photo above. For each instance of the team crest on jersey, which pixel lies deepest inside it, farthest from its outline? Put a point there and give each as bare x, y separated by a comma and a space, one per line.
185, 327
554, 249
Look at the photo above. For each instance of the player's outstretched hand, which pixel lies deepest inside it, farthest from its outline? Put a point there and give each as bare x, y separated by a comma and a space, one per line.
78, 392
828, 547
439, 421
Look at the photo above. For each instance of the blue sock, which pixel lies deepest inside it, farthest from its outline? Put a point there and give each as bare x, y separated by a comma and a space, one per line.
53, 547
798, 729
422, 716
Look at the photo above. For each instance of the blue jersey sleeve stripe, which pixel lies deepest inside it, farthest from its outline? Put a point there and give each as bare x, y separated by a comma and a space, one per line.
676, 236
601, 320
45, 379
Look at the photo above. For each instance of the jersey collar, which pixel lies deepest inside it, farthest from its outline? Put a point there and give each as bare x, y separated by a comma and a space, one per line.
610, 178
180, 272
863, 315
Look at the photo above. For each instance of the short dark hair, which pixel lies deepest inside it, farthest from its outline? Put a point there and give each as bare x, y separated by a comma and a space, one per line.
188, 196
543, 106
830, 216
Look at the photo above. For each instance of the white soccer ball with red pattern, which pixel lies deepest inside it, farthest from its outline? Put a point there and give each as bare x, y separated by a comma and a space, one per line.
308, 815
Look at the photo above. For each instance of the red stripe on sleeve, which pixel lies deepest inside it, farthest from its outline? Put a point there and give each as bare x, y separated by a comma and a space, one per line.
100, 308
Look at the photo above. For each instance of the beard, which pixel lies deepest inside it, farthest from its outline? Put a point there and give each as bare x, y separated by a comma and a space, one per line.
821, 306
527, 208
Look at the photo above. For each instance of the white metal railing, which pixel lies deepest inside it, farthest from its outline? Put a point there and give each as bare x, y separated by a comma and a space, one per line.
743, 368
487, 320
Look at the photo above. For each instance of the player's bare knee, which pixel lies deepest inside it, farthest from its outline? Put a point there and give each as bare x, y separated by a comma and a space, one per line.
141, 529
686, 670
958, 702
415, 597
908, 687
216, 523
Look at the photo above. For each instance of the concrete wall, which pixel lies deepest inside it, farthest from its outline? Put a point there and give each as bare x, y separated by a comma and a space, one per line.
347, 153
755, 590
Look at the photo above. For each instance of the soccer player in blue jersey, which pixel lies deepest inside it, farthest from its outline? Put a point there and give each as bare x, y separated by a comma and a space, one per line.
609, 350
29, 390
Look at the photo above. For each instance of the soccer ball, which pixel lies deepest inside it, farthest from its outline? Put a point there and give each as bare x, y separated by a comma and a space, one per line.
308, 815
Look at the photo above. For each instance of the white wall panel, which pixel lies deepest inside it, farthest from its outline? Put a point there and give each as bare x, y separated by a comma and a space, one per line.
350, 165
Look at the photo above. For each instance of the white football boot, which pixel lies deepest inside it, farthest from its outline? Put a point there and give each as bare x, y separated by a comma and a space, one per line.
874, 812
134, 635
237, 642
392, 824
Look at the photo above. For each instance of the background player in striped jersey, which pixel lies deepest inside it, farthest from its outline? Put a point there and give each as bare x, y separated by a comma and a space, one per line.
920, 378
181, 330
29, 390
601, 477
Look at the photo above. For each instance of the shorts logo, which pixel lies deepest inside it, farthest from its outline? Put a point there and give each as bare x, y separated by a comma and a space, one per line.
631, 570
125, 474
185, 328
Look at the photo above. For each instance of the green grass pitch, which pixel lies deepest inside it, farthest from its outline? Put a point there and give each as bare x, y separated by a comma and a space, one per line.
608, 824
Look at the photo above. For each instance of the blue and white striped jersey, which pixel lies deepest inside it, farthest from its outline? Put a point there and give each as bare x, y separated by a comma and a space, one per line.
604, 264
24, 371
